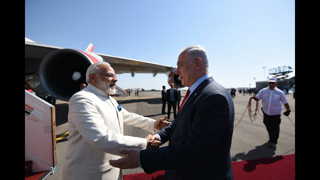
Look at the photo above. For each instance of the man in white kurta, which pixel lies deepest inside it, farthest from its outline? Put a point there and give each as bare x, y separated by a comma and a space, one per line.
95, 123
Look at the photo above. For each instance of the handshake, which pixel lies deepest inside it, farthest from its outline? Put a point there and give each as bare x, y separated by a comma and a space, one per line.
153, 141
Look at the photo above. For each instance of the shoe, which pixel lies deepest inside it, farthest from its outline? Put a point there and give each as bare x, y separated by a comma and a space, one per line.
272, 145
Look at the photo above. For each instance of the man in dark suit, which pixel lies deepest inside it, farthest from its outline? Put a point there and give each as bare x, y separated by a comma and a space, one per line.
200, 138
172, 100
179, 98
163, 96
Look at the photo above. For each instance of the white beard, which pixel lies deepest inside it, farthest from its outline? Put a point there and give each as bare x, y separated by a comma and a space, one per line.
105, 87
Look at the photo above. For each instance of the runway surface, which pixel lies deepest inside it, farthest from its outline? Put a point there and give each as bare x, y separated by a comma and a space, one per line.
249, 138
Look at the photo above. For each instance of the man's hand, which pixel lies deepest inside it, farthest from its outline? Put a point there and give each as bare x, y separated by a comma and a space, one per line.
287, 113
151, 138
153, 141
161, 123
128, 162
154, 144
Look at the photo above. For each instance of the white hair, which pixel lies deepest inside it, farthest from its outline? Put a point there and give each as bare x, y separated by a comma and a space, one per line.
195, 51
93, 68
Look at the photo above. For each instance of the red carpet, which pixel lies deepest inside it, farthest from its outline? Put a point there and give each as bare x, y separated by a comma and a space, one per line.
158, 175
30, 175
275, 168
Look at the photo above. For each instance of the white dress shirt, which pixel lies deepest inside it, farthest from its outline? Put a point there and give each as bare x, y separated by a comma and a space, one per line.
196, 84
171, 95
271, 100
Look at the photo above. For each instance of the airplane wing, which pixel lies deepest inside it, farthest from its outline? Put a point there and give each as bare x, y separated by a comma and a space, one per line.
125, 65
36, 52
53, 69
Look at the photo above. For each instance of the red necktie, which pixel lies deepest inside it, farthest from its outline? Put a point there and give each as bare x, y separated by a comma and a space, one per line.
184, 100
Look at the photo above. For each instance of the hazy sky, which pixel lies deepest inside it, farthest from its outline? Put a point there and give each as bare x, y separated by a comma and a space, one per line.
240, 36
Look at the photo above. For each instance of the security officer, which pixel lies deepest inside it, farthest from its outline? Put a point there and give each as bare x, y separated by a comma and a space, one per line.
163, 97
272, 97
172, 100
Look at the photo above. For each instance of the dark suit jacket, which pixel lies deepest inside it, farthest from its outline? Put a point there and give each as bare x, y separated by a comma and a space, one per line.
175, 95
163, 95
199, 139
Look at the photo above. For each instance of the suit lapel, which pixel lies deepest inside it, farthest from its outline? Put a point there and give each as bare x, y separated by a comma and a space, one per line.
196, 92
192, 97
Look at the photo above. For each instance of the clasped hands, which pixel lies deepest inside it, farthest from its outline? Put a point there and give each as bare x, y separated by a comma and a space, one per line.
131, 156
131, 160
152, 140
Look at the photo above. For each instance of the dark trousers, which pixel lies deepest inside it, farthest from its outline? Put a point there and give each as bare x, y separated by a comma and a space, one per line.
172, 103
273, 128
163, 106
272, 124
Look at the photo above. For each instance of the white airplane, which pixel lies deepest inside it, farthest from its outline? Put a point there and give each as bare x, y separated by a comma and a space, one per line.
60, 71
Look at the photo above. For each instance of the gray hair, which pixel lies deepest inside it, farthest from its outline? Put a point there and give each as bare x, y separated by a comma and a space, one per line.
94, 68
195, 51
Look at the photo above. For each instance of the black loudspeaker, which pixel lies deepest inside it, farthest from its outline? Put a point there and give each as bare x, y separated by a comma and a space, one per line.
59, 72
174, 78
177, 81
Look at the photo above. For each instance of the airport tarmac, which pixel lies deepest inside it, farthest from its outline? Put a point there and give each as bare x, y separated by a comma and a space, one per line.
249, 138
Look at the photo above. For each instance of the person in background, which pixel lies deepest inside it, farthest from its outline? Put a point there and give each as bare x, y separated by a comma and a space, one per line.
172, 99
179, 98
233, 92
272, 100
82, 86
294, 91
163, 97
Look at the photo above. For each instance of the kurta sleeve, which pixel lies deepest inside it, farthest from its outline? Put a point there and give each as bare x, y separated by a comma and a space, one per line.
138, 121
86, 118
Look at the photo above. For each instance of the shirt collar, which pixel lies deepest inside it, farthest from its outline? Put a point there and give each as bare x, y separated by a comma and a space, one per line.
198, 82
273, 89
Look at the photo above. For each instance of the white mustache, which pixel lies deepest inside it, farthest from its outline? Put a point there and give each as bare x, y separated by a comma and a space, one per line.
106, 87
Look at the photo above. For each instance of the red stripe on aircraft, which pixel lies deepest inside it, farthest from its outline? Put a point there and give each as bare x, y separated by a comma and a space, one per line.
29, 107
93, 59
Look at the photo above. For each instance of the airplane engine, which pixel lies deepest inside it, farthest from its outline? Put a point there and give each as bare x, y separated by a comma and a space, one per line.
174, 78
62, 71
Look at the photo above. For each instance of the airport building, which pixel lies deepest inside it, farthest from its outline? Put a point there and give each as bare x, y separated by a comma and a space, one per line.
285, 77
